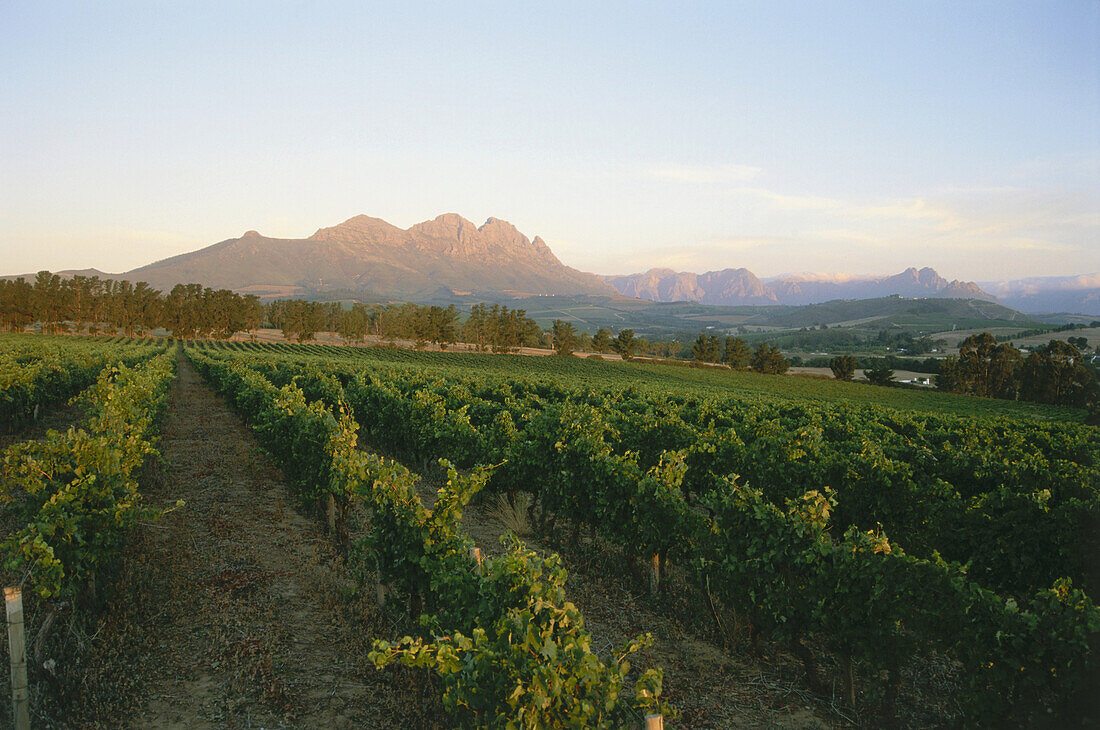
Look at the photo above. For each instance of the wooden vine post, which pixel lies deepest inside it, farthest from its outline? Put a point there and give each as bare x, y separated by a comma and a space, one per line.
381, 589
20, 694
654, 722
380, 594
330, 514
475, 555
654, 574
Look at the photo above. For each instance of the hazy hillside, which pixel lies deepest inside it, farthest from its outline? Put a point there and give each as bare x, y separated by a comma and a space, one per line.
663, 320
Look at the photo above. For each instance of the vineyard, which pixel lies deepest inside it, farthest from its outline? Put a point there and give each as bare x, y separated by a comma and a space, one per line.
869, 542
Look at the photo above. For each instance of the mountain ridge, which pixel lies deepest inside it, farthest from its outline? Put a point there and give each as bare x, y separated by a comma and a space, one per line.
450, 256
1050, 294
375, 257
741, 286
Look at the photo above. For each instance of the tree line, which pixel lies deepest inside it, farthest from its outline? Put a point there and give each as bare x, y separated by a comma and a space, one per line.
495, 328
739, 355
89, 304
1055, 373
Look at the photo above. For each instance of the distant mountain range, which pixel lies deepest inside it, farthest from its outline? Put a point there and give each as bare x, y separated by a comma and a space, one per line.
741, 286
1050, 294
450, 258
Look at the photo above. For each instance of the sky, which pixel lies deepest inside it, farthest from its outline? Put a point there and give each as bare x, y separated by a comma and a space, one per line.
781, 137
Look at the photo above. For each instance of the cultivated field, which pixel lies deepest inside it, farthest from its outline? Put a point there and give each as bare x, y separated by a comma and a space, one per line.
726, 549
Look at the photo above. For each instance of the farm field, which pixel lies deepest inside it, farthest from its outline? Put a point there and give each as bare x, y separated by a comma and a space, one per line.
861, 569
1092, 334
426, 394
683, 381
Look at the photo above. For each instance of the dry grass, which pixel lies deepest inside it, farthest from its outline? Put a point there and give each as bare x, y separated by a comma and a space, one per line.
512, 513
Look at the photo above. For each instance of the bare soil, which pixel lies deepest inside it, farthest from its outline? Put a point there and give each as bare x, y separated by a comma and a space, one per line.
235, 611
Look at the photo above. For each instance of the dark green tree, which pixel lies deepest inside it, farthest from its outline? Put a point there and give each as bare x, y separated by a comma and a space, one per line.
988, 369
564, 336
705, 348
601, 342
948, 378
768, 360
737, 354
625, 345
843, 367
880, 374
1058, 374
444, 325
16, 307
303, 320
353, 323
48, 301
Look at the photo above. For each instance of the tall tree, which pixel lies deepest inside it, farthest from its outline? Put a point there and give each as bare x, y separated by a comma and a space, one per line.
353, 323
476, 327
16, 305
48, 304
843, 367
1057, 374
601, 341
303, 320
768, 359
624, 344
879, 374
705, 348
444, 325
987, 368
737, 354
565, 338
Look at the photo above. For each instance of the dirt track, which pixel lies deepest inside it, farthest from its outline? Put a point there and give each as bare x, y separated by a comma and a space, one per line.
239, 613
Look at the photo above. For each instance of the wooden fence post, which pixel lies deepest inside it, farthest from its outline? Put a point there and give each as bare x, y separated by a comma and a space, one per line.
20, 694
654, 722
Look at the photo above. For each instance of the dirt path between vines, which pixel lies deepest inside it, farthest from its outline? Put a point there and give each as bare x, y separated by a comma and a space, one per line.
234, 611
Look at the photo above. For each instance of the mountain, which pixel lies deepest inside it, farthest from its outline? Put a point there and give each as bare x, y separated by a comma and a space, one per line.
729, 286
1050, 294
808, 289
370, 256
741, 286
450, 259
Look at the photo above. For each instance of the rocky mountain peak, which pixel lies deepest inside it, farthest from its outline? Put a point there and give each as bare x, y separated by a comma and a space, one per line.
928, 277
359, 229
494, 230
449, 226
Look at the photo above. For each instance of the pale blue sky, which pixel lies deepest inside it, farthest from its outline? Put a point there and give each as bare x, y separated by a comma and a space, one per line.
783, 137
